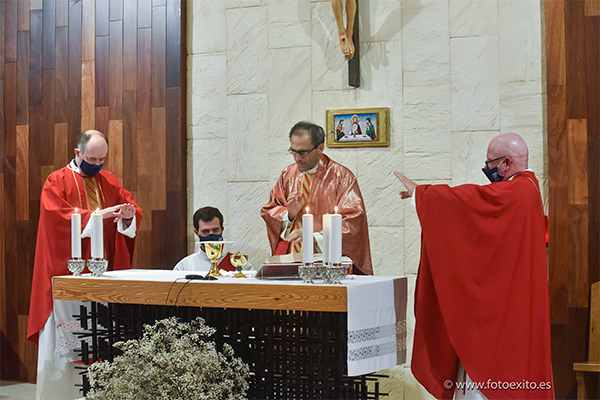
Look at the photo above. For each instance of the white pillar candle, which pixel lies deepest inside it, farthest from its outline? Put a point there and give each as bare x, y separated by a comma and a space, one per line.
97, 236
335, 241
75, 235
307, 238
326, 237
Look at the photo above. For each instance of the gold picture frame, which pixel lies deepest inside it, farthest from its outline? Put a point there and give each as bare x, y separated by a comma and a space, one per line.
358, 127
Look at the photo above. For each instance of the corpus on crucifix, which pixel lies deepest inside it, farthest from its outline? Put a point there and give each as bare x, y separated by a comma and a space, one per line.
345, 32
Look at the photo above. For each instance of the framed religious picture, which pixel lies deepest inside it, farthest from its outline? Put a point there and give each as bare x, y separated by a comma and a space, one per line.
363, 127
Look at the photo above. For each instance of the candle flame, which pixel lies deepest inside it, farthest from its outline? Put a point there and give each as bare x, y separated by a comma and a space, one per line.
75, 210
307, 210
97, 211
336, 209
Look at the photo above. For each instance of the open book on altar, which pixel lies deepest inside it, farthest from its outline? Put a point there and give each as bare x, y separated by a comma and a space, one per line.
286, 266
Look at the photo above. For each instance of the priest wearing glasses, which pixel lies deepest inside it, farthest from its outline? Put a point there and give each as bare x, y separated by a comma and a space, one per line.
316, 182
481, 300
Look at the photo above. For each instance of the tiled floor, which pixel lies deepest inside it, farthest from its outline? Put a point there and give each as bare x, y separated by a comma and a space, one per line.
10, 390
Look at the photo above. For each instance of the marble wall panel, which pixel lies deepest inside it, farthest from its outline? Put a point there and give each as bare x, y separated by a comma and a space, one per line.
426, 63
245, 3
289, 88
521, 111
379, 21
379, 186
207, 26
207, 103
427, 132
425, 20
207, 179
521, 106
473, 17
387, 250
520, 38
247, 50
245, 225
247, 135
331, 100
469, 151
329, 69
475, 88
279, 157
381, 75
289, 23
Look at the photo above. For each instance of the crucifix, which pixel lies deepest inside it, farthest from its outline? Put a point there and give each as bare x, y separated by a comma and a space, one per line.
348, 35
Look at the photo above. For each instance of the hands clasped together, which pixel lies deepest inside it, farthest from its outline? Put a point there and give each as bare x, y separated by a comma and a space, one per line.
120, 211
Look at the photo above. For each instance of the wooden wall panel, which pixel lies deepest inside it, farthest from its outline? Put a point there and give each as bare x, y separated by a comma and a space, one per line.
592, 8
66, 66
577, 161
555, 42
575, 54
592, 71
22, 173
49, 33
115, 68
61, 75
573, 109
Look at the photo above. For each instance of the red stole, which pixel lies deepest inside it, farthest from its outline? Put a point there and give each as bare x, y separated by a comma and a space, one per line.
64, 191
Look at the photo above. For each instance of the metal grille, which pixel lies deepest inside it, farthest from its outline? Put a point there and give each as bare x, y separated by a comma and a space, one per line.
291, 354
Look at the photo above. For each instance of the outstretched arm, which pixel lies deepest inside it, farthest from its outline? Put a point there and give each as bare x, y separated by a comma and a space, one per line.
410, 185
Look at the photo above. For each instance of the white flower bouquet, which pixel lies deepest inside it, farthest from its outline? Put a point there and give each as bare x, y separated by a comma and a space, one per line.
172, 360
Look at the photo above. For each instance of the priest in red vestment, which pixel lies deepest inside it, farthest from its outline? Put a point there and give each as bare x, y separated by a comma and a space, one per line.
319, 183
80, 187
481, 298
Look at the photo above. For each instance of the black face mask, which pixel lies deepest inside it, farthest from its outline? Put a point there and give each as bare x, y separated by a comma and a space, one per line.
211, 238
492, 174
89, 169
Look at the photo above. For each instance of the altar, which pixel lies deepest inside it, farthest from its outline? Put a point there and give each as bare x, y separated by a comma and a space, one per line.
299, 340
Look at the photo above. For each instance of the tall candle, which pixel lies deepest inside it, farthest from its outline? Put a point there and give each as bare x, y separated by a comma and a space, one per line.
307, 238
97, 236
326, 237
335, 240
75, 235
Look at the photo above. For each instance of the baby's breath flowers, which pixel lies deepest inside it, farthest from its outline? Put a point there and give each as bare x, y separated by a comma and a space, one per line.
172, 360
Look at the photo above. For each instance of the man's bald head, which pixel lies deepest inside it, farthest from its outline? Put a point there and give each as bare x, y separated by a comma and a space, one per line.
511, 153
511, 145
92, 137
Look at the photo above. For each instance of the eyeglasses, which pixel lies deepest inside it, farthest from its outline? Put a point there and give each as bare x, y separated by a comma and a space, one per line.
301, 153
491, 161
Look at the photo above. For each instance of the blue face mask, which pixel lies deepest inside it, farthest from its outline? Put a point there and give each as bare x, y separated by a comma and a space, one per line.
211, 238
90, 169
492, 174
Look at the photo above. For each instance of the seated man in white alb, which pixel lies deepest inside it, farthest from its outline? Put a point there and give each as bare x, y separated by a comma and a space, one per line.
208, 226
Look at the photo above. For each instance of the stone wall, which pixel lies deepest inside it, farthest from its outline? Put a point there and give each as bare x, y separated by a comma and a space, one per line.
454, 73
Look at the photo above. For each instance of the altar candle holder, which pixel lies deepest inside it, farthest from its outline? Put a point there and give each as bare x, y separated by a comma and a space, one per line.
98, 267
76, 266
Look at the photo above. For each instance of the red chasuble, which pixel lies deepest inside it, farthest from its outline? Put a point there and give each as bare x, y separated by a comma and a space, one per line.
62, 193
482, 289
333, 185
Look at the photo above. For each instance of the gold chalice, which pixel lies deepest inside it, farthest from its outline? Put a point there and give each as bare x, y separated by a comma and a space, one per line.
238, 260
214, 250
